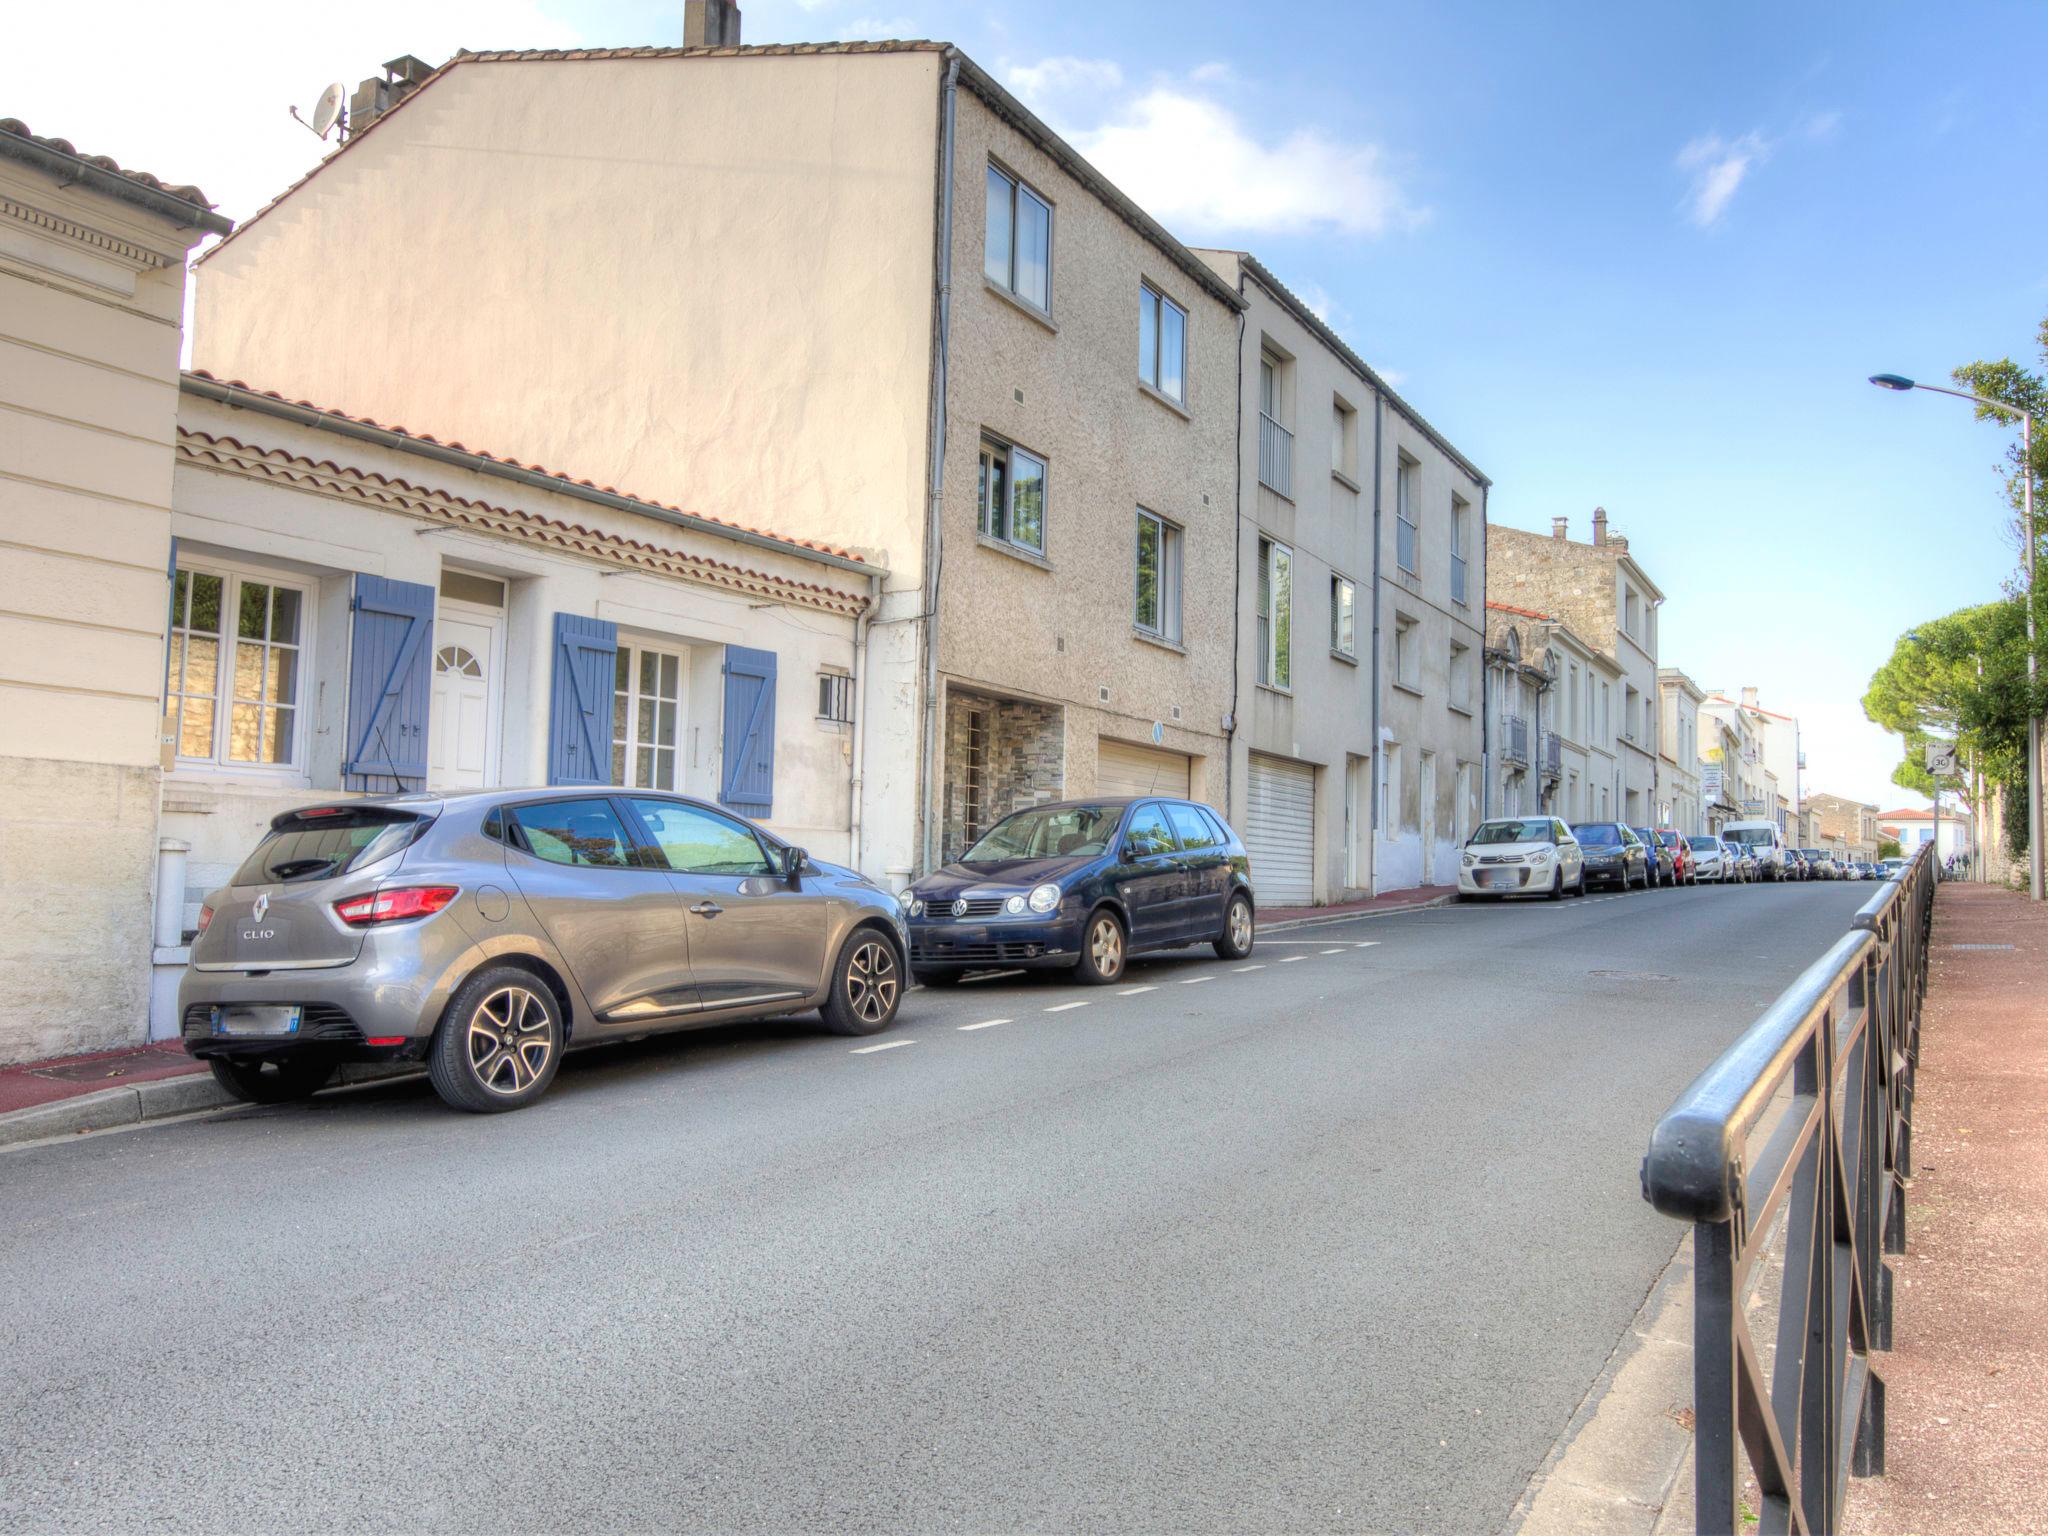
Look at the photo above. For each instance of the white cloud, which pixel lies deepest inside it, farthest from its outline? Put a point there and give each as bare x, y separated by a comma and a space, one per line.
1821, 127
1057, 80
868, 28
1717, 167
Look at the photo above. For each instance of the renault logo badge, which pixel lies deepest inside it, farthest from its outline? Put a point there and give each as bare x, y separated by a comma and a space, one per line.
262, 906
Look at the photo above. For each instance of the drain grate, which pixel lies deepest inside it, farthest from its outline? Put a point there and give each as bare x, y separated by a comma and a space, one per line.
1980, 946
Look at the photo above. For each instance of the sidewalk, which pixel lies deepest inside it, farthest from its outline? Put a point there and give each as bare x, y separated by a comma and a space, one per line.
107, 1088
1387, 901
1966, 1383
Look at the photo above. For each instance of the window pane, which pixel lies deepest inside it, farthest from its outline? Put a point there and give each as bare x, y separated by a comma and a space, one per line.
697, 841
573, 832
282, 684
622, 669
643, 768
1027, 502
202, 664
245, 733
181, 597
996, 257
174, 663
995, 491
248, 671
1169, 582
284, 616
195, 728
1148, 830
1173, 341
618, 762
254, 610
671, 669
1191, 827
665, 724
1283, 616
277, 735
618, 717
665, 768
1148, 572
644, 721
650, 670
1034, 249
206, 602
1148, 336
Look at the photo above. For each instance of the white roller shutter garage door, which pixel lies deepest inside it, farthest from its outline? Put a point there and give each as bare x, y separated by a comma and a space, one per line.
1125, 768
1280, 831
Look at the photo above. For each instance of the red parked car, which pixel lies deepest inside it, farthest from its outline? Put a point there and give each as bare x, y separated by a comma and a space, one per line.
1684, 871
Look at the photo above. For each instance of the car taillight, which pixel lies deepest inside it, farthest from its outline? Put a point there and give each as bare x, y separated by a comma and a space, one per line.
394, 906
205, 917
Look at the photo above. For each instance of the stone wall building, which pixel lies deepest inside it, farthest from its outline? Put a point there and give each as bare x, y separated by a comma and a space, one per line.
1600, 591
1853, 823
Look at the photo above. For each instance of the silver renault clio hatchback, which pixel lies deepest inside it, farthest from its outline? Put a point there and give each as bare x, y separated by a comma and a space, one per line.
485, 933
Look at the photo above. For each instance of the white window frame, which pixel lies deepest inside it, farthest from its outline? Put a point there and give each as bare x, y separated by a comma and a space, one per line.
992, 448
1460, 684
1407, 650
1153, 301
1341, 584
1275, 560
1461, 510
231, 574
1406, 477
1343, 439
623, 776
1019, 189
1171, 537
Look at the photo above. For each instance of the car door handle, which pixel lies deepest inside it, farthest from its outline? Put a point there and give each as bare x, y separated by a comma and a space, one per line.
707, 909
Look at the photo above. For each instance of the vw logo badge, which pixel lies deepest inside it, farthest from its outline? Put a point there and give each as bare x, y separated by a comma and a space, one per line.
959, 906
262, 906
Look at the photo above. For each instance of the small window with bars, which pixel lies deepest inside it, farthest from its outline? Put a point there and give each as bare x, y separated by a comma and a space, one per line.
835, 697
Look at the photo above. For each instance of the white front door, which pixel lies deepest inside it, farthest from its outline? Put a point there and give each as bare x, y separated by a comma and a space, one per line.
463, 721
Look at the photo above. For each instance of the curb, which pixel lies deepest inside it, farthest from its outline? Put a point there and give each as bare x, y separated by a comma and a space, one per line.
1351, 917
157, 1099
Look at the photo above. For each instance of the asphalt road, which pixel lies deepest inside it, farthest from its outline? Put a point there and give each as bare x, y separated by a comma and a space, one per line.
1335, 1239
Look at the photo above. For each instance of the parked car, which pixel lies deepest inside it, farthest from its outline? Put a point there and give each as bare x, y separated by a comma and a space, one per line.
1890, 869
1764, 841
1084, 884
1613, 854
1521, 856
1745, 866
1712, 860
1817, 865
1683, 868
1661, 865
486, 932
1796, 867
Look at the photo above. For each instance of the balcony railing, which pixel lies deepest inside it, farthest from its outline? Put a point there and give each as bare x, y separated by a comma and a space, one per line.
1276, 456
1457, 578
1514, 747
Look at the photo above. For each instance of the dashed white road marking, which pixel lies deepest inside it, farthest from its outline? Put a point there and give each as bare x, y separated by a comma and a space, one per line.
1365, 944
1134, 991
1195, 981
984, 1024
1332, 951
1290, 959
1063, 1007
1243, 968
886, 1045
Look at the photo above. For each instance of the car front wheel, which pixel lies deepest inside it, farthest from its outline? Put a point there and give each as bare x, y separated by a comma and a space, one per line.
499, 1044
1102, 949
272, 1082
867, 986
1236, 940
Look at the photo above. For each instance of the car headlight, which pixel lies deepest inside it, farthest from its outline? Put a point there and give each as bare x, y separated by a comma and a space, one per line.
1014, 905
912, 904
1044, 899
1471, 859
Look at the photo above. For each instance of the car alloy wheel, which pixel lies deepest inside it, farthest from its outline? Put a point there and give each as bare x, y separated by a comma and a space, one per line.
1240, 927
871, 981
511, 1041
1102, 948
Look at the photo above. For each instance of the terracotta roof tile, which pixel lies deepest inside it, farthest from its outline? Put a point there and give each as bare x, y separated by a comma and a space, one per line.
538, 469
1527, 613
184, 192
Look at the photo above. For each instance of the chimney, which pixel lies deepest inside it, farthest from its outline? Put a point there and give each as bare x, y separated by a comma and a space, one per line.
1599, 527
373, 98
711, 24
1616, 542
1749, 698
1558, 526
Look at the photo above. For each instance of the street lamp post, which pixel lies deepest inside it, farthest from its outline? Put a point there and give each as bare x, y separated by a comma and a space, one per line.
2034, 851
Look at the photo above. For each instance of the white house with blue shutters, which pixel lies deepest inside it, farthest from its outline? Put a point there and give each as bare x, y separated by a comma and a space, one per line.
360, 608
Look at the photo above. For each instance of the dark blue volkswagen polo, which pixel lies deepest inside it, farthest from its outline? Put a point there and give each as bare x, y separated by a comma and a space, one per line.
1084, 883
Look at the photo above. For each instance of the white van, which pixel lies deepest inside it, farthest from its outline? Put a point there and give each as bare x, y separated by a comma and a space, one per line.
1763, 839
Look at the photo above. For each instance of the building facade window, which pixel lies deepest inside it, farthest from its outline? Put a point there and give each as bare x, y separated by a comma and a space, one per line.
646, 717
232, 676
1018, 255
1156, 596
1011, 496
1407, 653
835, 697
1461, 513
1276, 439
1407, 535
1344, 616
1390, 789
1276, 614
1343, 440
1162, 344
1461, 678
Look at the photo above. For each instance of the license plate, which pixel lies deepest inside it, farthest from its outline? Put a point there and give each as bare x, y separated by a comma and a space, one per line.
1493, 877
244, 1020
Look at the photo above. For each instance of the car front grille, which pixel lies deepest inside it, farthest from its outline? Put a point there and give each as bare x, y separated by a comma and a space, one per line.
977, 906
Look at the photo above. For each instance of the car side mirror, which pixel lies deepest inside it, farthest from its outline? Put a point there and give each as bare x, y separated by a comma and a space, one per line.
793, 863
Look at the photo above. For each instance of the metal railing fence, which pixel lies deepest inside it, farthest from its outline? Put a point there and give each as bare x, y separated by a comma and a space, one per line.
1514, 747
1844, 1038
1276, 456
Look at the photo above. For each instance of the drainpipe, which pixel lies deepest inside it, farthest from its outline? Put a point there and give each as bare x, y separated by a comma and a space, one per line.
934, 549
1237, 574
1379, 747
857, 786
1486, 704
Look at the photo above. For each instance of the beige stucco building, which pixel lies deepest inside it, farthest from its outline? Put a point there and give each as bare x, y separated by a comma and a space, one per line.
1329, 453
1778, 757
1610, 601
1678, 746
858, 287
1854, 825
1563, 690
92, 275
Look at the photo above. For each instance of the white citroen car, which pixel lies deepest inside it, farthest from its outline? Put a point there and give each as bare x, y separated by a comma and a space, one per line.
1713, 861
1521, 856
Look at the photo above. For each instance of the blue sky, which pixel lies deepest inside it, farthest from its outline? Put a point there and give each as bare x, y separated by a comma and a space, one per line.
1638, 256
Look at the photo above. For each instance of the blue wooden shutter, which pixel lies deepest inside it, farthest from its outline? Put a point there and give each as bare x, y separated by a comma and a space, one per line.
389, 684
748, 780
579, 731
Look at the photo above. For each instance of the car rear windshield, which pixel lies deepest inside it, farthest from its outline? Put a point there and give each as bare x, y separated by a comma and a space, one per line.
1053, 831
1704, 844
322, 845
1515, 832
1668, 839
1597, 832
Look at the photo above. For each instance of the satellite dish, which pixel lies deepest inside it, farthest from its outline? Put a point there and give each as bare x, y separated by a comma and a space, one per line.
328, 111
